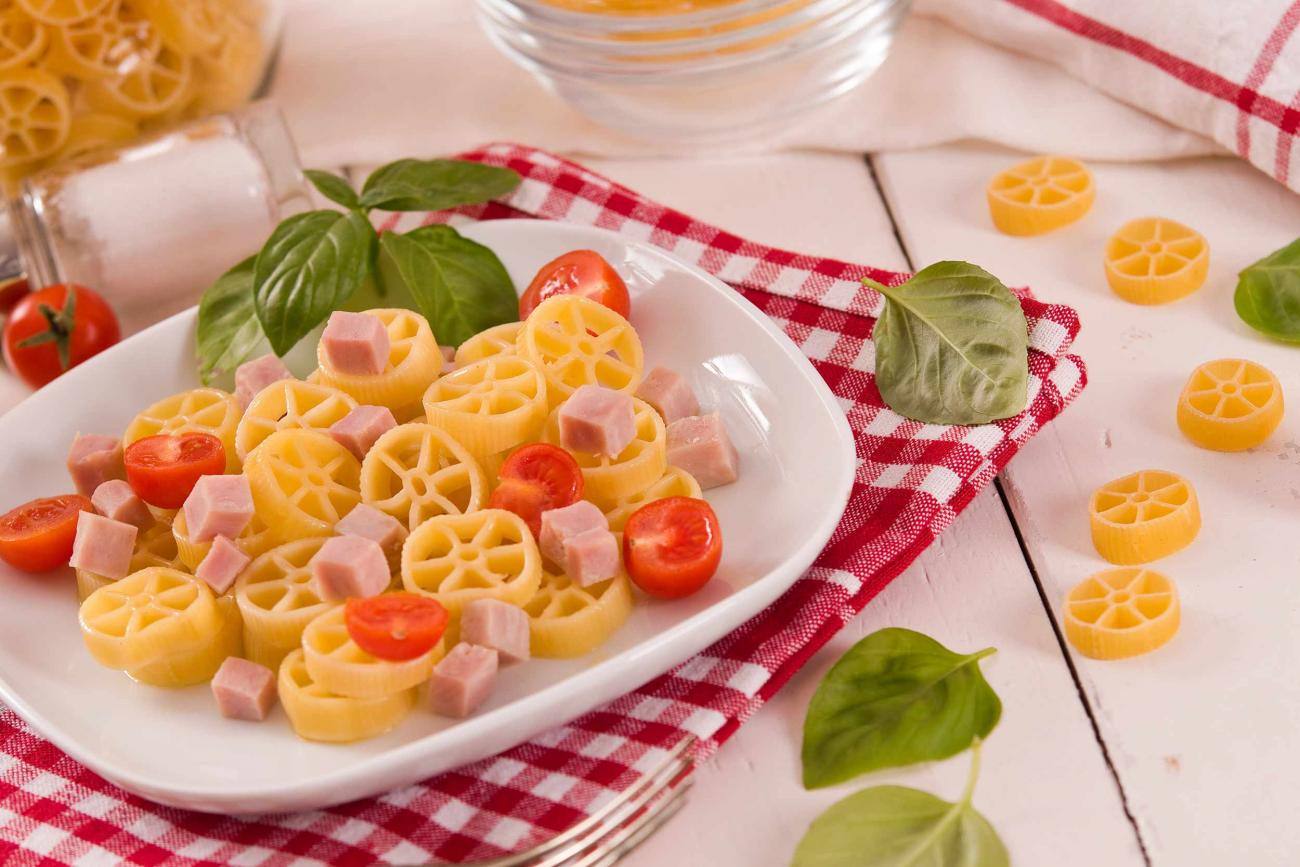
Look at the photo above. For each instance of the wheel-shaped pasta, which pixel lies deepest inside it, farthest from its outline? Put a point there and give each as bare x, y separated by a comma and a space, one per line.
189, 26
34, 116
61, 12
256, 539
335, 661
22, 39
497, 340
157, 86
565, 620
416, 471
676, 482
414, 361
303, 482
228, 75
102, 46
205, 410
576, 341
489, 554
92, 132
199, 663
277, 599
607, 480
289, 403
317, 714
146, 616
490, 405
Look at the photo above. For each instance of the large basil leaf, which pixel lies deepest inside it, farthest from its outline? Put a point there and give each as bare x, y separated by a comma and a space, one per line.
1268, 294
460, 286
433, 185
951, 346
228, 332
897, 697
310, 265
333, 187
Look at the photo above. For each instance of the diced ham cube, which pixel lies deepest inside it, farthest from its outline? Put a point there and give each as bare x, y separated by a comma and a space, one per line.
591, 557
244, 689
115, 499
253, 376
221, 565
370, 523
358, 430
699, 444
355, 343
349, 566
218, 506
448, 358
499, 625
560, 525
462, 680
670, 395
597, 420
103, 546
93, 460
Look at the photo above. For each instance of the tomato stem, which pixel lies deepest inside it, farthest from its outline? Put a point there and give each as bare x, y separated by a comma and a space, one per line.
61, 323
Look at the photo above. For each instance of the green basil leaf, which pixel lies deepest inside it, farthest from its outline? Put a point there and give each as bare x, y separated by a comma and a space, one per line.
951, 346
460, 286
1268, 294
334, 188
434, 185
897, 697
310, 265
894, 826
228, 332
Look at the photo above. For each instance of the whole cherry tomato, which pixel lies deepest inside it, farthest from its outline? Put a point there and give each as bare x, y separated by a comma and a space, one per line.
581, 272
56, 328
11, 292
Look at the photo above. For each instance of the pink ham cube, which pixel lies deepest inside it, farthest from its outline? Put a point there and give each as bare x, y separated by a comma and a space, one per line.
222, 565
358, 430
355, 344
349, 566
597, 420
244, 690
669, 394
699, 444
560, 525
370, 523
462, 680
115, 499
253, 376
218, 506
591, 557
499, 625
103, 546
93, 460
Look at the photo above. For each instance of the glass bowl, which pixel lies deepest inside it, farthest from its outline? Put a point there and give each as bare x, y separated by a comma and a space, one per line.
696, 72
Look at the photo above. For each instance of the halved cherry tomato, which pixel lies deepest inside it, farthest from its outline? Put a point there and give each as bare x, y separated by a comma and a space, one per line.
164, 468
57, 328
395, 626
581, 272
536, 478
672, 547
37, 536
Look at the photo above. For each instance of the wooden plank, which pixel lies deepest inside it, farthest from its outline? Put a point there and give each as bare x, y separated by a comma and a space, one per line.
1201, 733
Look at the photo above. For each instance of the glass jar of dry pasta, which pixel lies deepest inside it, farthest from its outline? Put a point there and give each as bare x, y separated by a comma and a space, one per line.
80, 75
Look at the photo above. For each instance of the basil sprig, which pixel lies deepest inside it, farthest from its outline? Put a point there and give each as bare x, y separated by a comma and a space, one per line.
318, 262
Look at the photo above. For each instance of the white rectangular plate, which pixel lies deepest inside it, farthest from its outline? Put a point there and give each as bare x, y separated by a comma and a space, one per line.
172, 746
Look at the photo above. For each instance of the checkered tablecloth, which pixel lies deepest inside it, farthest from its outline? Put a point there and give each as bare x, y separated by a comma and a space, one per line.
912, 480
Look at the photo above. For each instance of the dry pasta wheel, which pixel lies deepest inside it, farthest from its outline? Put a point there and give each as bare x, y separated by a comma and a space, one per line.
256, 540
1230, 405
1144, 516
189, 26
148, 615
317, 714
303, 483
1121, 612
290, 403
416, 471
89, 133
489, 406
227, 76
637, 468
1154, 261
34, 115
489, 554
1040, 195
198, 663
675, 482
414, 361
206, 410
576, 341
277, 599
565, 620
106, 45
62, 12
336, 662
148, 90
22, 39
497, 340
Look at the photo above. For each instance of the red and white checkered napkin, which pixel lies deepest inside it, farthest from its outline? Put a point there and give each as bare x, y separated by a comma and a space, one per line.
912, 480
